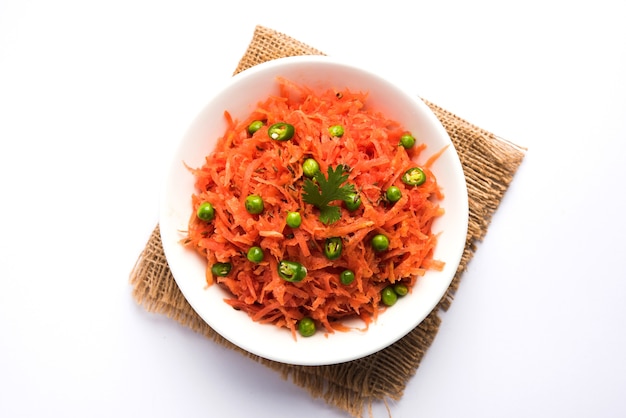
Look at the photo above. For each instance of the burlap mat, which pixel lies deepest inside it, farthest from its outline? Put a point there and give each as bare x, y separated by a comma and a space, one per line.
489, 164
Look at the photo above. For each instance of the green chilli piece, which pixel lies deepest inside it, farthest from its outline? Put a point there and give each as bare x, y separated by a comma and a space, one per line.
205, 212
380, 242
281, 131
306, 327
353, 202
333, 247
294, 219
255, 126
255, 254
221, 269
254, 204
388, 296
310, 167
346, 277
291, 271
414, 176
407, 140
401, 289
336, 131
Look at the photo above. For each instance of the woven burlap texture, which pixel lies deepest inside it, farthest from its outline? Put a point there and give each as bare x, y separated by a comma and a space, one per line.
489, 165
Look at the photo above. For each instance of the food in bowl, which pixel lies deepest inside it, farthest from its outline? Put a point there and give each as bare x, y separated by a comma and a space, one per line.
311, 209
239, 97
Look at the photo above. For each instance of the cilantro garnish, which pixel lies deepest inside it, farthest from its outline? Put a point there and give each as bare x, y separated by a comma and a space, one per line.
326, 191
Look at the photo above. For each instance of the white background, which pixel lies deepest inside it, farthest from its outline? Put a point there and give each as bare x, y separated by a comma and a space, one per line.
95, 94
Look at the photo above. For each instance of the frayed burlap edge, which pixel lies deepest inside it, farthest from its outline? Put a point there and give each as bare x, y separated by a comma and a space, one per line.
489, 165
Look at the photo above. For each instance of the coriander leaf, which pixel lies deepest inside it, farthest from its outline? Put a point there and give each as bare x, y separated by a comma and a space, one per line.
330, 214
327, 190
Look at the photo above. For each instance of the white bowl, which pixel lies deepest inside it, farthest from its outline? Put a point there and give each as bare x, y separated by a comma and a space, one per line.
240, 96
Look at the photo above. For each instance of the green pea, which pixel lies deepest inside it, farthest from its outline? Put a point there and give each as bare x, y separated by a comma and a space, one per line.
401, 289
221, 269
353, 202
393, 194
414, 176
291, 271
333, 247
380, 242
255, 254
336, 131
281, 131
346, 277
294, 219
389, 296
407, 140
255, 126
310, 167
205, 212
254, 204
306, 327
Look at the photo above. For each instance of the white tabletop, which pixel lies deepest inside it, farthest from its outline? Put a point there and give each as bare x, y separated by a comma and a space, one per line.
94, 96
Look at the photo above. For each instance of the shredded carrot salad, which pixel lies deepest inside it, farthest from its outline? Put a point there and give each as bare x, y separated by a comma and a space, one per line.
244, 164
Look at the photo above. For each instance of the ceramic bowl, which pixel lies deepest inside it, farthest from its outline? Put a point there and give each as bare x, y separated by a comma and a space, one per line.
239, 96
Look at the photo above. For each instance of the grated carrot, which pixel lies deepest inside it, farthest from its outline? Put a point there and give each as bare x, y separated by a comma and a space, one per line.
244, 164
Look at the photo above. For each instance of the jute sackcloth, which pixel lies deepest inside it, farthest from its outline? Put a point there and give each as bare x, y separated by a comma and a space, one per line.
489, 165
